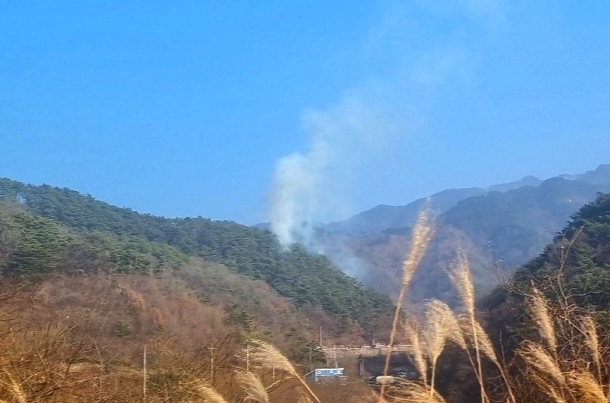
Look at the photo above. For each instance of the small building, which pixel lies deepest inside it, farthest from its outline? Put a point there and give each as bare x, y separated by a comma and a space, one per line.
326, 375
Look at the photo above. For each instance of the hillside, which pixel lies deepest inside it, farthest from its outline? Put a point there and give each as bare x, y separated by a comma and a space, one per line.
86, 286
573, 270
304, 278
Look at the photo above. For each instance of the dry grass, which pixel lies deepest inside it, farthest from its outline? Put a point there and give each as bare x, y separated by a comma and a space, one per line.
439, 315
474, 331
589, 390
462, 280
422, 234
267, 356
542, 318
559, 375
413, 392
420, 239
589, 330
548, 388
441, 326
208, 393
416, 352
536, 356
253, 386
14, 388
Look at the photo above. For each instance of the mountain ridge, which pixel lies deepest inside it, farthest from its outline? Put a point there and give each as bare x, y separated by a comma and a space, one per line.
382, 216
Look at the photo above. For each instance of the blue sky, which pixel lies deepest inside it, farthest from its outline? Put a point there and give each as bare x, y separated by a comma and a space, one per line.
237, 110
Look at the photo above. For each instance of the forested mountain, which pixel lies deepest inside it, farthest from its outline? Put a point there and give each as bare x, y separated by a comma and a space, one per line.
52, 230
500, 230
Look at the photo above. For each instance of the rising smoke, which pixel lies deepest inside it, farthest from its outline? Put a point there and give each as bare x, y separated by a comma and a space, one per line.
313, 186
309, 187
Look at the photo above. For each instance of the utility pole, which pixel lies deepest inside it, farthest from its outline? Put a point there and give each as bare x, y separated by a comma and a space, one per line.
212, 364
310, 356
144, 375
247, 357
335, 355
320, 336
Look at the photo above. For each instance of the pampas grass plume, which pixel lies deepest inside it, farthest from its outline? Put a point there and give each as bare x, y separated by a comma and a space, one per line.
590, 390
267, 356
416, 352
546, 365
208, 393
254, 388
540, 314
410, 391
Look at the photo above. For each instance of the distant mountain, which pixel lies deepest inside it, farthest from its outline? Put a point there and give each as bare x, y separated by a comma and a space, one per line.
500, 228
598, 176
505, 187
385, 217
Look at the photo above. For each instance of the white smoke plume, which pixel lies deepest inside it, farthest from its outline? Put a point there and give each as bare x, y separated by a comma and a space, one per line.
308, 187
369, 124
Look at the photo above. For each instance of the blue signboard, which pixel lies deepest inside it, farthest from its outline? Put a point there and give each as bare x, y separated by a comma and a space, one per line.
329, 372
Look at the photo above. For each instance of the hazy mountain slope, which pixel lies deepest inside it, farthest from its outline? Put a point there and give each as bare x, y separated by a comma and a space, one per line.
598, 176
384, 217
515, 225
499, 231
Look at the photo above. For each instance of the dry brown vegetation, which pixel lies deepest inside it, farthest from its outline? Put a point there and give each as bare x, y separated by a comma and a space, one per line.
138, 338
565, 363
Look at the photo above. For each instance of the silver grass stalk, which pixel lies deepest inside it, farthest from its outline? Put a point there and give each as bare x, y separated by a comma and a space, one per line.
461, 278
420, 239
536, 356
267, 356
208, 393
540, 313
441, 325
548, 387
592, 341
590, 390
14, 387
416, 352
411, 391
253, 386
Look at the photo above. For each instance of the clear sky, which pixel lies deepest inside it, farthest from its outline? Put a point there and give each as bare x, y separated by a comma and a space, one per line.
219, 108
